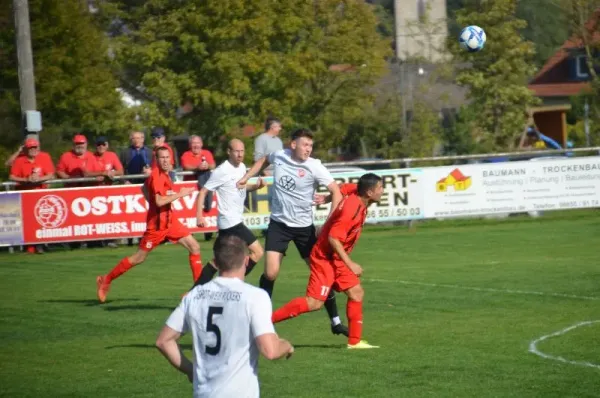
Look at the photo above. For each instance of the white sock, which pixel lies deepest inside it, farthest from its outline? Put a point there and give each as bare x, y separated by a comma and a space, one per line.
335, 321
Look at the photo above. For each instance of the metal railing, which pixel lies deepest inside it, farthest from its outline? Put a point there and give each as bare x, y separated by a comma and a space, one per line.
406, 162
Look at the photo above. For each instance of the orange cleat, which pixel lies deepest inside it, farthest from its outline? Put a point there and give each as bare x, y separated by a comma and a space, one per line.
102, 288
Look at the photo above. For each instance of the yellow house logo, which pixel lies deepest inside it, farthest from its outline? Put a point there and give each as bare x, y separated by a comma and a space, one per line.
455, 179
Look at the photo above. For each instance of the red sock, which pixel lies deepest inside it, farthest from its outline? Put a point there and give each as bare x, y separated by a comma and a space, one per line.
297, 306
195, 266
123, 266
354, 313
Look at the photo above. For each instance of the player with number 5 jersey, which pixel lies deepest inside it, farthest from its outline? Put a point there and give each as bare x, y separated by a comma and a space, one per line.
331, 267
230, 324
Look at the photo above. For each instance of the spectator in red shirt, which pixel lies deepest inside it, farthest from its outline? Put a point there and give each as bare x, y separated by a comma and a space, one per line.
196, 159
159, 139
107, 164
161, 225
30, 171
33, 168
76, 162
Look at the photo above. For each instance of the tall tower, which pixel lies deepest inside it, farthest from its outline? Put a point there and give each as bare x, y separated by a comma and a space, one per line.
421, 29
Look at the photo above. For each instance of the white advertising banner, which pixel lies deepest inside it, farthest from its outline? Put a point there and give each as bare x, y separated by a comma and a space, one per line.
511, 187
402, 198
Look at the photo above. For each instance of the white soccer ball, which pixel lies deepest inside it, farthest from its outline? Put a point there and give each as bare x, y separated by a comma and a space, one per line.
472, 38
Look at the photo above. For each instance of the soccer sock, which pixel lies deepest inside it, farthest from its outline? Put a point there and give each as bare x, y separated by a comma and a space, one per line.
266, 284
123, 266
332, 310
207, 274
195, 265
297, 306
355, 321
250, 267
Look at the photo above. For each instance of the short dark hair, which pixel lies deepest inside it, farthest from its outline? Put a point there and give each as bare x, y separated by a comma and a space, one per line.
302, 132
270, 122
229, 253
161, 148
366, 182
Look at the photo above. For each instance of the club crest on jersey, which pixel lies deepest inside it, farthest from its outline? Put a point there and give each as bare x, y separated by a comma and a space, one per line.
301, 173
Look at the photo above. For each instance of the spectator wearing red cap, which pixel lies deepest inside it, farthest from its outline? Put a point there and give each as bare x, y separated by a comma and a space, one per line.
30, 171
19, 152
107, 164
159, 139
76, 162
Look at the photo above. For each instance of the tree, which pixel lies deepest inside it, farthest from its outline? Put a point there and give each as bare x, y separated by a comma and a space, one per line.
237, 61
498, 74
76, 90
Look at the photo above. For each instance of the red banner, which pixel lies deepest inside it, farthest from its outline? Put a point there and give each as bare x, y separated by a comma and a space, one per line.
96, 213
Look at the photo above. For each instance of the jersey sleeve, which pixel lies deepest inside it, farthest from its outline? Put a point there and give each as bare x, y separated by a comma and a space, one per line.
117, 165
271, 156
216, 179
348, 189
322, 175
260, 314
177, 320
341, 221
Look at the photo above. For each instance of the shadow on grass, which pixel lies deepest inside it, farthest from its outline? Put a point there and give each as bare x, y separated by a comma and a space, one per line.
137, 307
328, 346
86, 302
148, 346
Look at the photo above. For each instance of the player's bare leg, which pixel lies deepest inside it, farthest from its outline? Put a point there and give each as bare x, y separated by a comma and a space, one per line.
295, 307
193, 247
354, 312
332, 311
256, 253
272, 265
103, 281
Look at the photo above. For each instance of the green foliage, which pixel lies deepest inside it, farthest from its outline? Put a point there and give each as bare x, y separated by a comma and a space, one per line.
76, 90
498, 74
238, 61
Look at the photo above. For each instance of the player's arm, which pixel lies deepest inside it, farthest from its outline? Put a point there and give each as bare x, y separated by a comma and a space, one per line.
168, 344
256, 168
200, 207
253, 187
167, 341
336, 196
268, 342
345, 189
340, 225
163, 200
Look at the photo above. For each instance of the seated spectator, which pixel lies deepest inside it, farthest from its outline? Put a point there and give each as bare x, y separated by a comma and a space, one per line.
136, 159
107, 164
30, 171
76, 162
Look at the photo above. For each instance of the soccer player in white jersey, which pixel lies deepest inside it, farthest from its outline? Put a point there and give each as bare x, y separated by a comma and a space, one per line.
230, 205
230, 323
295, 177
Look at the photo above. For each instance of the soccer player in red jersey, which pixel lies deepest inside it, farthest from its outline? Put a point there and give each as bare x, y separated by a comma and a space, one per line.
330, 262
161, 225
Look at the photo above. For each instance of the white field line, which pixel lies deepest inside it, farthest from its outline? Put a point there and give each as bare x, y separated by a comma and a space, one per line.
486, 289
534, 350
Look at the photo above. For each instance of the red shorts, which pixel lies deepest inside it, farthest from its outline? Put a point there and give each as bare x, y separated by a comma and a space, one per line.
327, 274
153, 238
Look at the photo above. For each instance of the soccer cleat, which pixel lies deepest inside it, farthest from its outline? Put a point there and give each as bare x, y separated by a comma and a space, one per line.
339, 329
102, 288
361, 345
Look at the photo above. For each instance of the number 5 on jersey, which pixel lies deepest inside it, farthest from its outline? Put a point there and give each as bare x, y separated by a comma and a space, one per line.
211, 327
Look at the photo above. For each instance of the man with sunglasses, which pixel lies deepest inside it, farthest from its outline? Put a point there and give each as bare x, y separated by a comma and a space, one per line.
107, 164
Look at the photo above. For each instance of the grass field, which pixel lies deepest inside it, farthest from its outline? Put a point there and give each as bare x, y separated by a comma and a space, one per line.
454, 306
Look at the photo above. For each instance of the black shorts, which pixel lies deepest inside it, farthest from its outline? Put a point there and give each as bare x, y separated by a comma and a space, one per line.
279, 236
241, 231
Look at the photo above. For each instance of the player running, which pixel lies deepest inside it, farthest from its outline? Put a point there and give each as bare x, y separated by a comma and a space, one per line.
295, 176
230, 220
161, 225
331, 265
230, 323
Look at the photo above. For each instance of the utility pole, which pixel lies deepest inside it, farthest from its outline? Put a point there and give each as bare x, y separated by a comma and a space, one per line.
25, 58
586, 123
